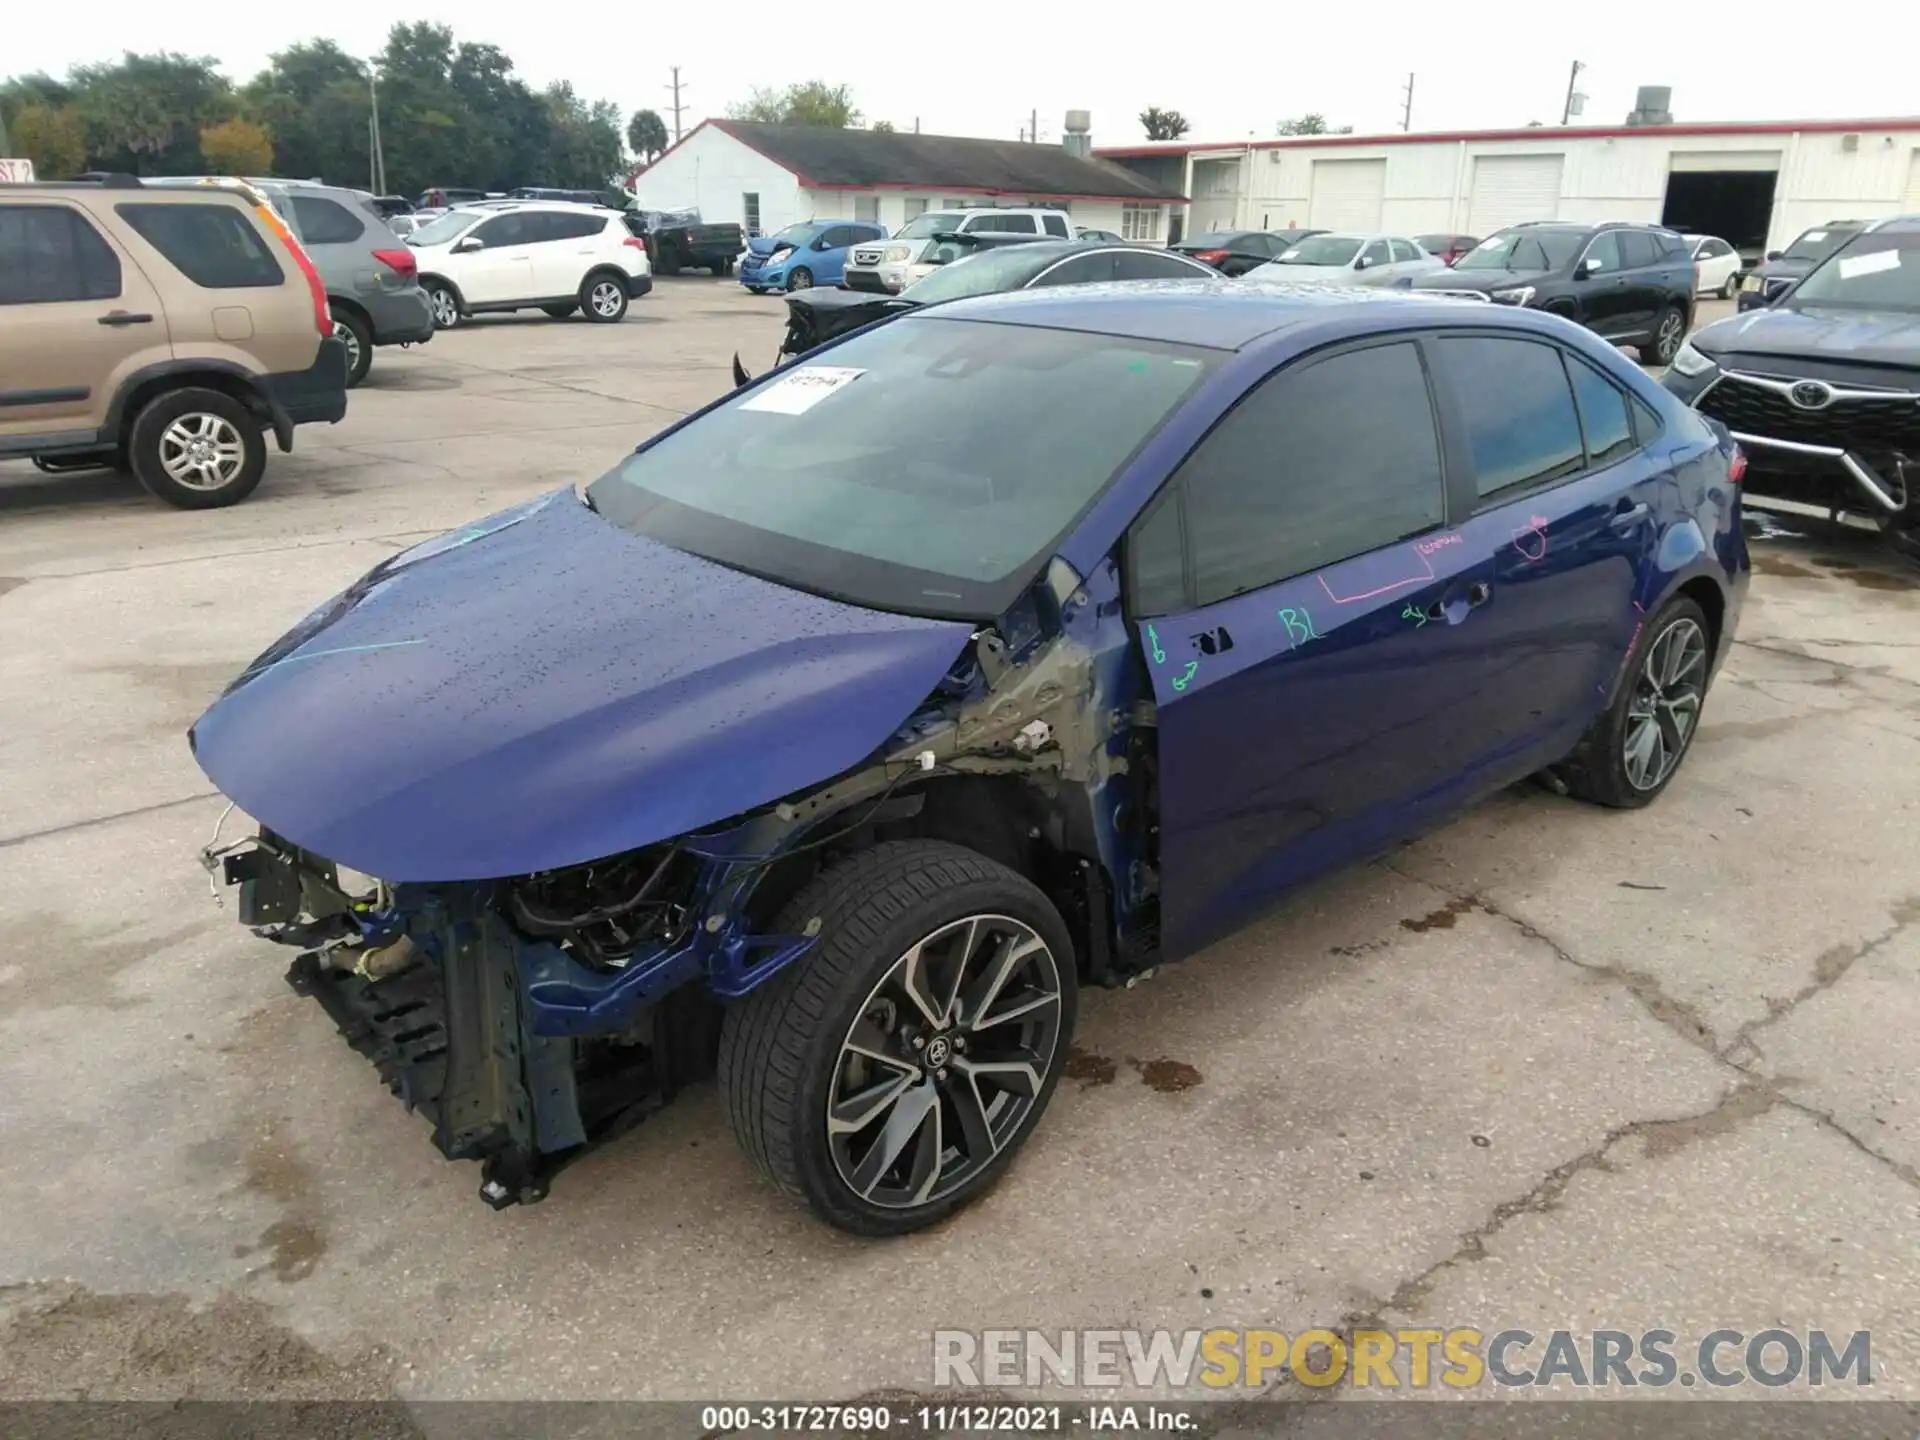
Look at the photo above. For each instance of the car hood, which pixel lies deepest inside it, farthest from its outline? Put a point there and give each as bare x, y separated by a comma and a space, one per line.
543, 688
1869, 337
1781, 270
1274, 270
764, 246
1487, 280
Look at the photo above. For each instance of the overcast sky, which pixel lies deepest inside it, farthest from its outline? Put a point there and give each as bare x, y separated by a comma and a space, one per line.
981, 69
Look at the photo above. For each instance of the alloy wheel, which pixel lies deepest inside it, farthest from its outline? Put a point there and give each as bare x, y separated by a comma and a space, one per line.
945, 1061
202, 451
1666, 704
446, 310
605, 298
1667, 342
344, 332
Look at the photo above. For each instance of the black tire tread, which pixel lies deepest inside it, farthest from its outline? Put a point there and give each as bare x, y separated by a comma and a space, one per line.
143, 447
1595, 771
763, 1037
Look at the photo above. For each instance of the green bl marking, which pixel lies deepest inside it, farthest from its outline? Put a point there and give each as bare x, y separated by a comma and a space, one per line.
1299, 625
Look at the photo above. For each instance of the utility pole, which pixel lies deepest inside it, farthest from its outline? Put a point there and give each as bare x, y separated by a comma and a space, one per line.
675, 87
376, 160
1406, 111
1573, 77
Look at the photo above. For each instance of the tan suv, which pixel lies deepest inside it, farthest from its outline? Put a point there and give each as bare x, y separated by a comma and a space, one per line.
163, 330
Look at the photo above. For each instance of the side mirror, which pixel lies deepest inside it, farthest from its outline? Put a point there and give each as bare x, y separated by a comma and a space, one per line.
1776, 255
469, 245
1362, 263
1588, 266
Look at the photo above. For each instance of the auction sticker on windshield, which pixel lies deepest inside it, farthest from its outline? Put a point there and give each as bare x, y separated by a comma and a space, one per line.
803, 389
1871, 263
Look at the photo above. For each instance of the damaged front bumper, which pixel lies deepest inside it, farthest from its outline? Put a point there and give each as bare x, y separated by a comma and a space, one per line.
520, 1056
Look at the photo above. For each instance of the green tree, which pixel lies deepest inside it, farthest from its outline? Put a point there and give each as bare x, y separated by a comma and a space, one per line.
1312, 123
812, 102
647, 134
1163, 124
55, 140
313, 100
236, 147
144, 113
883, 127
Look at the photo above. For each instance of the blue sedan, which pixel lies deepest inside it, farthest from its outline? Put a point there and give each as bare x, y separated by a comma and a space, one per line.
838, 735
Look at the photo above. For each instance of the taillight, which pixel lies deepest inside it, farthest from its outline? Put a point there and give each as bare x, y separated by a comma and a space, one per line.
322, 316
401, 262
1737, 466
636, 242
1212, 257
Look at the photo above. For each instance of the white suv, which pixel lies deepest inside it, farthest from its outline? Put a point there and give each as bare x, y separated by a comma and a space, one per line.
547, 255
893, 264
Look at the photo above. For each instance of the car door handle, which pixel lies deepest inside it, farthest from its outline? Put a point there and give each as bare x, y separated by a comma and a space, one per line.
125, 317
1628, 519
1475, 595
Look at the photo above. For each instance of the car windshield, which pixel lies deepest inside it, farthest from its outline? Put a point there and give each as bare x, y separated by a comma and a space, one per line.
443, 228
1528, 249
983, 274
933, 223
1876, 272
1214, 240
794, 235
1323, 250
931, 469
1818, 244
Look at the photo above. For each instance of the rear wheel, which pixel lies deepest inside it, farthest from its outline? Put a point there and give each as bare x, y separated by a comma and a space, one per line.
603, 298
1730, 286
1669, 329
889, 1077
1635, 747
197, 449
355, 334
558, 312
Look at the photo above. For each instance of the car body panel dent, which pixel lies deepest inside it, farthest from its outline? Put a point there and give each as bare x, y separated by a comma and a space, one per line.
536, 698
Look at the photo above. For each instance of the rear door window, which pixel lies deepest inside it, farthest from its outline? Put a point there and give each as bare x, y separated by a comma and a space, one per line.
574, 227
1518, 409
1319, 464
1403, 251
321, 221
214, 246
52, 253
1056, 225
1636, 249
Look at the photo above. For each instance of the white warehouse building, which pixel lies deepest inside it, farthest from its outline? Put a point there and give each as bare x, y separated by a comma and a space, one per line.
766, 177
1754, 185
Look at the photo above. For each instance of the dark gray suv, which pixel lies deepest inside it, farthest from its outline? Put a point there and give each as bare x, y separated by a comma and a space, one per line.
373, 286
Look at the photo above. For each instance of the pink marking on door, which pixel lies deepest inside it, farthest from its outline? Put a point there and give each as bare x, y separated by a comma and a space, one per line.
1531, 539
1425, 564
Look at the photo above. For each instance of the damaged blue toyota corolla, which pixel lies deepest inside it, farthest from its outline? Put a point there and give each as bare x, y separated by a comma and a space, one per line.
841, 732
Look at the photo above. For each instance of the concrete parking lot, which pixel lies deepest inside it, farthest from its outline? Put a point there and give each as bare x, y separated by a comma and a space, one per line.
1551, 1067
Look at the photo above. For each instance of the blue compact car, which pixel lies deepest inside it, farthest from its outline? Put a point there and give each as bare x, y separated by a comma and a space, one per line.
804, 255
838, 735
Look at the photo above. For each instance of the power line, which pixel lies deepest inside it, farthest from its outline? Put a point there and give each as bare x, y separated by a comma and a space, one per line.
675, 87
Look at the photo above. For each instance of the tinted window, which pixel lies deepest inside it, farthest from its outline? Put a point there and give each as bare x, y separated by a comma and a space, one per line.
1375, 253
1316, 465
214, 246
510, 229
1518, 409
932, 468
1603, 414
1646, 424
1403, 251
836, 236
1636, 249
1151, 265
1081, 270
574, 227
322, 222
1006, 224
1674, 247
1603, 254
50, 253
1056, 225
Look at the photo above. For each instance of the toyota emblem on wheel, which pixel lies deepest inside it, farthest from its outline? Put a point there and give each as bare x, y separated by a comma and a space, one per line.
1811, 395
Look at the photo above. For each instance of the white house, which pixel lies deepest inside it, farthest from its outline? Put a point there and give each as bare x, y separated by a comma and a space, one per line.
766, 177
1756, 185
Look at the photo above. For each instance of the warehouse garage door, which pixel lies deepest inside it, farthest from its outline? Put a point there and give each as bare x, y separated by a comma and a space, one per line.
1346, 194
1911, 205
1510, 188
1728, 193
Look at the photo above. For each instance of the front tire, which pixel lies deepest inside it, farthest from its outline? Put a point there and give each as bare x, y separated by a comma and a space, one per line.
1634, 748
354, 332
603, 298
888, 1077
197, 449
799, 278
1669, 329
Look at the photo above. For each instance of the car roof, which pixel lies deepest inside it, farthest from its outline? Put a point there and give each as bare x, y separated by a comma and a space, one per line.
1220, 314
1897, 224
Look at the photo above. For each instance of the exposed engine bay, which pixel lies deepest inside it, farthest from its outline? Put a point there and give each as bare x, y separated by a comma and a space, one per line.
534, 1016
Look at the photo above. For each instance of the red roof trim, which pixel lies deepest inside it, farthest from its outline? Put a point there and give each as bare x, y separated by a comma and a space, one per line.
1534, 132
982, 190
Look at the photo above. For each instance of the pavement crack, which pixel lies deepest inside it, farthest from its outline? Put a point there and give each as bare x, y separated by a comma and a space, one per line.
7, 841
1830, 967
